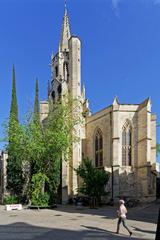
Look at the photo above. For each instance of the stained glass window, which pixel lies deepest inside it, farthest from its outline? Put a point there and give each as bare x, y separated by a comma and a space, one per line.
126, 144
98, 149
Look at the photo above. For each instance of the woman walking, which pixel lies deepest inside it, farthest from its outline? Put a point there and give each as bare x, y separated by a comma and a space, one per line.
122, 211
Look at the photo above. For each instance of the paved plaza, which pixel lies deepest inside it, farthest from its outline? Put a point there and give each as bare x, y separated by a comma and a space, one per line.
68, 222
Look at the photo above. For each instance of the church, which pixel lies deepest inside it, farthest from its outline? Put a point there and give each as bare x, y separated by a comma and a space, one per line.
120, 138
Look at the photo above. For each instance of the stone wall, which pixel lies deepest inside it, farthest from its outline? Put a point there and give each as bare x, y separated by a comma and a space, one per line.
137, 180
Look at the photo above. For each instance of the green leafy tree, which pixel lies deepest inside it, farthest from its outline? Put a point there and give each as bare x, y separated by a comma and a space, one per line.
41, 147
14, 105
15, 178
60, 133
38, 196
48, 144
93, 180
34, 149
36, 139
14, 135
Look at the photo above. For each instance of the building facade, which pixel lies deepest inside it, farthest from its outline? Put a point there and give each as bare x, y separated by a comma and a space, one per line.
120, 138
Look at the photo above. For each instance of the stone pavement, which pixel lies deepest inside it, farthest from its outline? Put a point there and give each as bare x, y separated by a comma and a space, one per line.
67, 222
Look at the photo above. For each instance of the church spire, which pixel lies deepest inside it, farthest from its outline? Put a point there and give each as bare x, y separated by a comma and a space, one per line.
65, 35
65, 7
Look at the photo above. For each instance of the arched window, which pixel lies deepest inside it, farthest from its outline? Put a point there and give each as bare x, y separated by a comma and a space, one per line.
66, 71
56, 71
98, 149
59, 90
53, 95
126, 144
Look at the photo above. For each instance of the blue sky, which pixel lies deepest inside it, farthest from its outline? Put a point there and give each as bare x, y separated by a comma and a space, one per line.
120, 49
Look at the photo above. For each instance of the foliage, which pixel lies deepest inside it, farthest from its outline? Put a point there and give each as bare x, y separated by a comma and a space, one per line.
14, 162
42, 200
41, 148
94, 180
14, 138
38, 196
59, 133
24, 150
10, 199
14, 105
34, 145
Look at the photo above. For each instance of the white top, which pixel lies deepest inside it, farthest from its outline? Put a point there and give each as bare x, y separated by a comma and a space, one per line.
122, 211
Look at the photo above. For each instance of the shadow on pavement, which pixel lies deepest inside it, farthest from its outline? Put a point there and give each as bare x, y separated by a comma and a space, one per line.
113, 235
145, 214
108, 212
142, 230
142, 213
24, 231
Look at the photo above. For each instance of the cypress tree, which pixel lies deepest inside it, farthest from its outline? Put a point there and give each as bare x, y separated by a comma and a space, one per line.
14, 105
35, 129
13, 116
14, 164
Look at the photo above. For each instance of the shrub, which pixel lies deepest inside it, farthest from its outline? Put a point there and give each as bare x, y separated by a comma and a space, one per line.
10, 199
38, 196
41, 201
94, 180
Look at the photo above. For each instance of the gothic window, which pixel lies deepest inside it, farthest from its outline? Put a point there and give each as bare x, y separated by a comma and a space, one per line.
56, 71
53, 95
59, 90
98, 149
126, 144
65, 71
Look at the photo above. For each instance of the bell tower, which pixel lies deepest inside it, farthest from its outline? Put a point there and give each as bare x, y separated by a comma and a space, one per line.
66, 79
65, 64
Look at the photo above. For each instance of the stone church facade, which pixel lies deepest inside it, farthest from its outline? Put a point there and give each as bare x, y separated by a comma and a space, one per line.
120, 138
